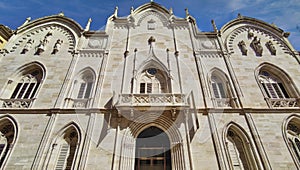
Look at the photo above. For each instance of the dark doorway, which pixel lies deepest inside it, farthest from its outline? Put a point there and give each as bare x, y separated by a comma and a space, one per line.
153, 150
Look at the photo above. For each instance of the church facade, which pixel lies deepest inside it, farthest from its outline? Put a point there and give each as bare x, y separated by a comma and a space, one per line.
150, 91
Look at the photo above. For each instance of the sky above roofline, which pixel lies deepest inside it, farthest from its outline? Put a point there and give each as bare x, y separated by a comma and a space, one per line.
284, 14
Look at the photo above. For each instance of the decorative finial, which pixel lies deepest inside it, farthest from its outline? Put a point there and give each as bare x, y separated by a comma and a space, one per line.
239, 15
26, 21
116, 11
214, 25
187, 12
61, 14
87, 27
151, 0
171, 11
131, 10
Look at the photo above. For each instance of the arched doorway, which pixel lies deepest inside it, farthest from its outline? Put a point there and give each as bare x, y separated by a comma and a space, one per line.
153, 150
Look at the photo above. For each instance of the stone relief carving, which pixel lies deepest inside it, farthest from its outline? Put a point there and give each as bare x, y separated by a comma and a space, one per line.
42, 45
243, 47
96, 43
256, 46
207, 44
27, 46
271, 47
57, 46
250, 34
151, 24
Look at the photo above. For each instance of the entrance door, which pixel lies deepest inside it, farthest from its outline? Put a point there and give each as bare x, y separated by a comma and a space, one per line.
153, 150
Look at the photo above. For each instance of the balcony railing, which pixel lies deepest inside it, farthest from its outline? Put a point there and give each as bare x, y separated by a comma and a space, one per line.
223, 102
165, 99
16, 103
289, 102
77, 103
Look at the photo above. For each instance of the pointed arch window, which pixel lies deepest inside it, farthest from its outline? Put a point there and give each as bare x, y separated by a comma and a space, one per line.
28, 85
220, 89
272, 85
277, 87
293, 136
7, 140
21, 91
64, 151
86, 83
239, 150
81, 90
152, 80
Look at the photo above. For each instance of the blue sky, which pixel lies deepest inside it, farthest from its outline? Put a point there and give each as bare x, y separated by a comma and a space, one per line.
283, 13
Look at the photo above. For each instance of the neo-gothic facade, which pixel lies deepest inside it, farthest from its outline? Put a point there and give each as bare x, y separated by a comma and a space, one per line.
149, 92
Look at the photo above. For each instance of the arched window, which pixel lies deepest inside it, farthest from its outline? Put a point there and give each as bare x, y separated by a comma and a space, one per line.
152, 80
85, 86
7, 139
293, 138
277, 87
220, 89
22, 89
272, 85
81, 90
65, 150
239, 149
28, 85
153, 150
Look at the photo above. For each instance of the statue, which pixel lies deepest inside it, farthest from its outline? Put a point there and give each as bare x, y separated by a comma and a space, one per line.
256, 46
243, 47
27, 46
42, 45
57, 46
271, 47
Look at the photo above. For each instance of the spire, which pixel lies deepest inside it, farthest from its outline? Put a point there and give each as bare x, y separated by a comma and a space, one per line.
26, 21
214, 25
116, 11
171, 11
61, 14
88, 25
131, 10
187, 12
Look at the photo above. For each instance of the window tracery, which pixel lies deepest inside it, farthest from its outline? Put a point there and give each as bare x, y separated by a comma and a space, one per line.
239, 149
277, 87
221, 92
152, 81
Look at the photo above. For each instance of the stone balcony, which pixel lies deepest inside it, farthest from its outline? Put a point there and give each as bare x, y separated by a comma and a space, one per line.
152, 100
16, 103
288, 102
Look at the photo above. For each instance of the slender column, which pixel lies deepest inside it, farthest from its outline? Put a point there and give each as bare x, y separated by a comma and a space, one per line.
217, 144
41, 154
198, 65
59, 101
126, 53
187, 135
177, 61
258, 143
87, 141
133, 71
232, 75
100, 80
170, 88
